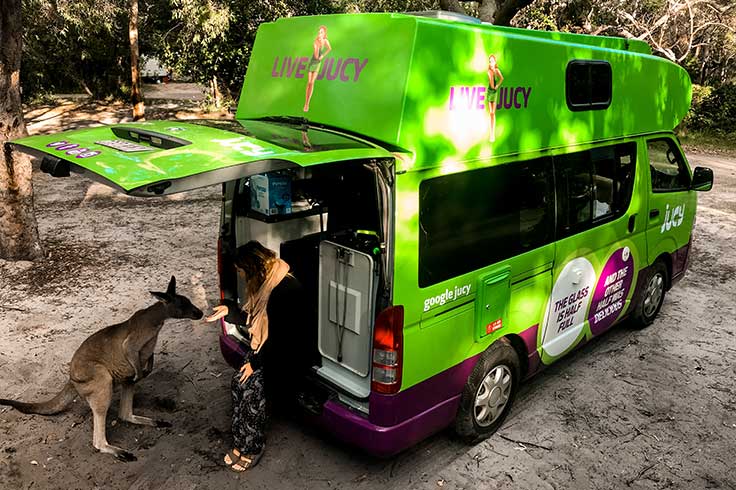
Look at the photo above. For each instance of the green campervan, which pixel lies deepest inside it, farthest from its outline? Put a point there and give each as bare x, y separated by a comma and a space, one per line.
461, 204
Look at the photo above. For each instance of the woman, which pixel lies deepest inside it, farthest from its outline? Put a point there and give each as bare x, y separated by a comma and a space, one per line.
320, 48
492, 92
261, 271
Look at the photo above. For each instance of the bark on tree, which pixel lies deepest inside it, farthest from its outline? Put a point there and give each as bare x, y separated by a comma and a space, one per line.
498, 12
136, 97
18, 228
215, 92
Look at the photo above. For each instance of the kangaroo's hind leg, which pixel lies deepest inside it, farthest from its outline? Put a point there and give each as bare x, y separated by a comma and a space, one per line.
98, 393
126, 409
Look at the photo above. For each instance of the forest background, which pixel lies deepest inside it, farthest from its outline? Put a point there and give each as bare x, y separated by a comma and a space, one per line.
84, 45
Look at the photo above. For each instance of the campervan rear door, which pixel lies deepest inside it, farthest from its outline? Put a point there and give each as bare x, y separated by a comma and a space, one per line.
164, 157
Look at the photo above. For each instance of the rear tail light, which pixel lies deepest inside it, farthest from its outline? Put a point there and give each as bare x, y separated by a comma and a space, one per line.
388, 340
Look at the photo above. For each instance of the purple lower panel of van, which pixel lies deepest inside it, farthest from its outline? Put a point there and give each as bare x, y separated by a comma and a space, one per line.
388, 410
232, 351
680, 261
530, 340
386, 441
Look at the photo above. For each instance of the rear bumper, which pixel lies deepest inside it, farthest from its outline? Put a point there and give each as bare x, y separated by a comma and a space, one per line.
354, 428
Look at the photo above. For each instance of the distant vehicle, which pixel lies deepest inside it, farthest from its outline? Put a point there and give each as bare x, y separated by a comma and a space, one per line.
462, 205
152, 71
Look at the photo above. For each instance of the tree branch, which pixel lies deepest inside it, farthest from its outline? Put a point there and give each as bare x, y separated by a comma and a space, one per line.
507, 10
452, 6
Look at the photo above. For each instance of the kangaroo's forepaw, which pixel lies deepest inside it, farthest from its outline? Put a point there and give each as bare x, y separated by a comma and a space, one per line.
163, 423
125, 456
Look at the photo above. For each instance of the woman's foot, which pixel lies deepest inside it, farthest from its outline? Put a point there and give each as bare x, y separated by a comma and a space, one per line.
241, 462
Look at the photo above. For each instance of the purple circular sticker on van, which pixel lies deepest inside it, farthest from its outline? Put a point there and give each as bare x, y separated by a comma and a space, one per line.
611, 291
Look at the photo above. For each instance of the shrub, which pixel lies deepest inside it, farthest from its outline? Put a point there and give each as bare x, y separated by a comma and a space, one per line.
712, 109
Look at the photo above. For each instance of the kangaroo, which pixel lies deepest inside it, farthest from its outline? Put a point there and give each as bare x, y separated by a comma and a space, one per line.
119, 354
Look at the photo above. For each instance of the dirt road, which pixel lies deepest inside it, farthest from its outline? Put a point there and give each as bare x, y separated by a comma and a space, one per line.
633, 409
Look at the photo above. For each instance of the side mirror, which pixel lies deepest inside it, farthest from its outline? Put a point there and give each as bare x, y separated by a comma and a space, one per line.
702, 179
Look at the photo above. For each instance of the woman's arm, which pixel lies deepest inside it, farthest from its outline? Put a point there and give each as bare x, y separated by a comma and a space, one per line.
230, 311
499, 76
256, 360
235, 313
329, 48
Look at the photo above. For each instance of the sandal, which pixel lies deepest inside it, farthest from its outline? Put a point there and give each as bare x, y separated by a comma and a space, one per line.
240, 462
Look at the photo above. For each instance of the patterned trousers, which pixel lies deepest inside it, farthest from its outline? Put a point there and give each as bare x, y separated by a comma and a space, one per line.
249, 412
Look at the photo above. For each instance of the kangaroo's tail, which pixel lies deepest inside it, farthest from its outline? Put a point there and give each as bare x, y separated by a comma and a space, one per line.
51, 407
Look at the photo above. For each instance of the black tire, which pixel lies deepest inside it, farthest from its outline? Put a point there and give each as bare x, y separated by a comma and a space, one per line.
647, 307
500, 355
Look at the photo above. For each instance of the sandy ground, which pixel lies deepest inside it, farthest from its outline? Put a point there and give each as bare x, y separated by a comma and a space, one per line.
162, 101
633, 409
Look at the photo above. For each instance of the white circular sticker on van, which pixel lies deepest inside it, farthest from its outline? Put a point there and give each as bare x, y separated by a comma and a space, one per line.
567, 308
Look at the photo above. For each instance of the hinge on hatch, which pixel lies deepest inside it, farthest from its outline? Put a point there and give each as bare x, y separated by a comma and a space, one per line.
159, 187
56, 167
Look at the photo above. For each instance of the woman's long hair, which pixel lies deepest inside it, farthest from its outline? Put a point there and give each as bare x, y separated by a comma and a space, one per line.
256, 261
320, 28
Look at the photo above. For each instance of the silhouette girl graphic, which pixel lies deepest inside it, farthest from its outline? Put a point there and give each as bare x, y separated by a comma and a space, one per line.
495, 79
320, 48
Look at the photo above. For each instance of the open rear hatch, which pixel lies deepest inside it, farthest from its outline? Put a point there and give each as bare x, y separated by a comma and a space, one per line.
339, 263
164, 157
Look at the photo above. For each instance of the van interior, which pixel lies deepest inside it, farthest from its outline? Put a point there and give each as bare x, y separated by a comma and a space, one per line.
331, 223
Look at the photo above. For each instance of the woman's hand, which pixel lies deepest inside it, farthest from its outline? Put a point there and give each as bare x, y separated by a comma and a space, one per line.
246, 371
218, 312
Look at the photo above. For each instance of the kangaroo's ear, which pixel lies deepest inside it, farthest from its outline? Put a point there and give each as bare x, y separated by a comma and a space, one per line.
172, 286
163, 297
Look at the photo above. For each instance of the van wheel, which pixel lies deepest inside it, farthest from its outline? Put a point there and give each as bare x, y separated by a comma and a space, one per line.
652, 296
488, 393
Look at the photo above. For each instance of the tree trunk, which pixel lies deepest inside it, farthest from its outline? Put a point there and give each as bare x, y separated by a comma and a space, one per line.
18, 228
452, 6
506, 10
498, 12
215, 92
136, 97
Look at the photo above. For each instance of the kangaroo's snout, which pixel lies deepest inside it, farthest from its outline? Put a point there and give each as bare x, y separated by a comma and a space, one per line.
196, 313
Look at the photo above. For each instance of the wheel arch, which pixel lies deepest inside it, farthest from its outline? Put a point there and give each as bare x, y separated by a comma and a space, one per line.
666, 258
522, 352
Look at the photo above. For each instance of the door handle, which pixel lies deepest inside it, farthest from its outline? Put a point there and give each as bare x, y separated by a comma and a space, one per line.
653, 213
632, 223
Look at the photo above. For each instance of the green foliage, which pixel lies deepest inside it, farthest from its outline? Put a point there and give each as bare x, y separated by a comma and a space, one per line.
212, 39
386, 5
713, 109
82, 45
694, 119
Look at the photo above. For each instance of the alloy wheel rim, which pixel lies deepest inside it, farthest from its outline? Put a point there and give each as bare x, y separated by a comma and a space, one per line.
492, 396
653, 295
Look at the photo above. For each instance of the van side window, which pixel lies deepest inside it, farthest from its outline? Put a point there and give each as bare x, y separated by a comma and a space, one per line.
588, 85
667, 166
472, 219
593, 186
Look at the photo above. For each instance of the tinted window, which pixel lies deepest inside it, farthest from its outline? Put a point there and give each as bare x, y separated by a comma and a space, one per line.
667, 166
588, 85
593, 186
472, 219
